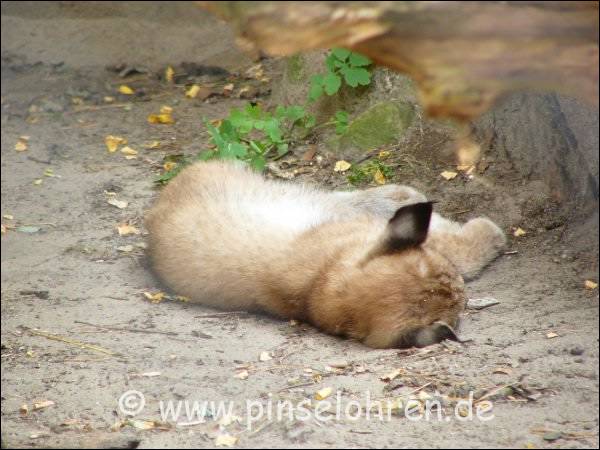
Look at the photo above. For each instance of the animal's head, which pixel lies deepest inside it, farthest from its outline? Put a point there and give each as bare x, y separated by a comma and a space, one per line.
401, 292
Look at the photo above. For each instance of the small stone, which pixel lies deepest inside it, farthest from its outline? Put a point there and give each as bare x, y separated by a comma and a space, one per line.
338, 364
552, 435
576, 351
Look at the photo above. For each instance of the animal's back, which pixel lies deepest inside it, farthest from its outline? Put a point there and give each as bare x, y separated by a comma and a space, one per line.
218, 228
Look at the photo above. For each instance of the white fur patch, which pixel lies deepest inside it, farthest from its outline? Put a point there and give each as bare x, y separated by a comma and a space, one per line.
296, 216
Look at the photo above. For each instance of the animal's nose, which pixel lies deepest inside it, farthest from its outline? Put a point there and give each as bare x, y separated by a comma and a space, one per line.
434, 333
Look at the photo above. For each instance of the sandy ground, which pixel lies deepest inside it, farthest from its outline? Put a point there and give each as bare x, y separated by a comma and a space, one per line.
534, 355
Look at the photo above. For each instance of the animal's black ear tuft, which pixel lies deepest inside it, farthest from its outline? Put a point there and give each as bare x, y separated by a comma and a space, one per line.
408, 227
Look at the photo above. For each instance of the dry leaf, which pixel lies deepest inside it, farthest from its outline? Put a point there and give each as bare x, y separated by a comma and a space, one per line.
228, 419
142, 424
124, 89
125, 248
113, 142
448, 175
164, 118
392, 375
322, 394
24, 409
242, 375
108, 99
124, 229
589, 284
379, 177
385, 154
551, 335
341, 166
38, 181
3, 229
169, 74
519, 232
265, 356
193, 91
226, 440
21, 144
8, 216
49, 172
166, 110
118, 203
129, 151
129, 157
152, 145
169, 165
154, 298
502, 370
228, 88
255, 72
43, 404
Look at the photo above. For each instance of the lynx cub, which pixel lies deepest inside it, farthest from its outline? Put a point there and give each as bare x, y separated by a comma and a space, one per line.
375, 265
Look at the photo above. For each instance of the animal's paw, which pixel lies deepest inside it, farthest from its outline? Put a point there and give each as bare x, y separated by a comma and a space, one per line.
485, 234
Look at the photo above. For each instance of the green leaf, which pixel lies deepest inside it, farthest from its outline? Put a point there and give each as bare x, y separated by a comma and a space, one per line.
332, 83
234, 150
316, 87
258, 148
205, 156
340, 53
282, 149
258, 163
330, 62
310, 121
356, 76
240, 121
342, 116
216, 136
295, 113
280, 112
358, 60
272, 130
341, 124
228, 132
254, 111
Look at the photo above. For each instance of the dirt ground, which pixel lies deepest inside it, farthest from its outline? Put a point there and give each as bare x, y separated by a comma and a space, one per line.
68, 277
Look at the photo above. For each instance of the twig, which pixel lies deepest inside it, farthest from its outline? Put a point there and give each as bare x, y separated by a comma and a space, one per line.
493, 391
309, 383
222, 314
97, 107
131, 330
419, 388
73, 342
40, 223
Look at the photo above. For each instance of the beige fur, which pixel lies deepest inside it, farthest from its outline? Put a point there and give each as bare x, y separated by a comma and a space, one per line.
225, 237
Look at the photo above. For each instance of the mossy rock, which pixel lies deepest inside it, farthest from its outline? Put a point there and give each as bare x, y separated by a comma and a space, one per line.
380, 125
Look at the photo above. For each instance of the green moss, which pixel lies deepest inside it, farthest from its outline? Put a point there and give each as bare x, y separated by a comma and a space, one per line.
380, 125
295, 68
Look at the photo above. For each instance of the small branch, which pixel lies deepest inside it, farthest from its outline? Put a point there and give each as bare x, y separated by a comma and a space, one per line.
72, 342
130, 330
222, 314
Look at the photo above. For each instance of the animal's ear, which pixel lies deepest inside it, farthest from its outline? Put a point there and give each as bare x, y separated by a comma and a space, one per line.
408, 227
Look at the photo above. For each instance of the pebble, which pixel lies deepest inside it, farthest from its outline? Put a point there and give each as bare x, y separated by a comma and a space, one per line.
576, 351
